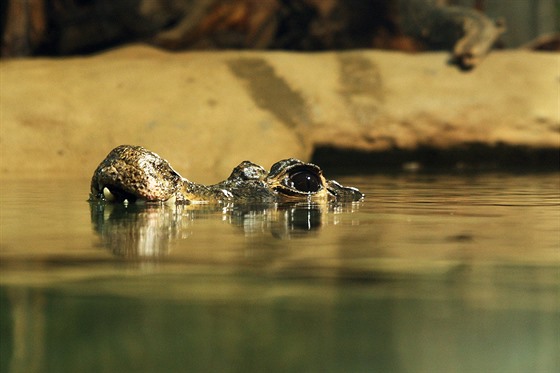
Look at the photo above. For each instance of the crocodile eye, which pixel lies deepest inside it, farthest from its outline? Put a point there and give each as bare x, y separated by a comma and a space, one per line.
305, 181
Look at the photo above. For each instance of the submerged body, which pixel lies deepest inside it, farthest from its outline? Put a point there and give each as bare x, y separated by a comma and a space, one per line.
133, 173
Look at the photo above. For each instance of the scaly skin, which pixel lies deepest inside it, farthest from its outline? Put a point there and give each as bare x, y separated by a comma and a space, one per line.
133, 173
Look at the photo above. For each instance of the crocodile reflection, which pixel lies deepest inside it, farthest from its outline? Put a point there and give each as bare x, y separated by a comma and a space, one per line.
143, 231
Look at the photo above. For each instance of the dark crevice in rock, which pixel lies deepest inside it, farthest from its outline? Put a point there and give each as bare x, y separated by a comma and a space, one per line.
475, 157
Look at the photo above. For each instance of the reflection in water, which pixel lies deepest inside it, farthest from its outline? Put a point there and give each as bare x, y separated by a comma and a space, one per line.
176, 322
433, 274
28, 314
147, 230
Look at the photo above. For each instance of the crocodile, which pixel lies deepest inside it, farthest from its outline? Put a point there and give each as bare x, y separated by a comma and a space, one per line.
132, 174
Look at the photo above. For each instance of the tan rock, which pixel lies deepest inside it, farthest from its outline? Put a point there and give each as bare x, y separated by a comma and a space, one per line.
207, 111
63, 116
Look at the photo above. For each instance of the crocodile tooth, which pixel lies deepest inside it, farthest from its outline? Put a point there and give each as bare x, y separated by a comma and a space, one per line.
227, 194
108, 195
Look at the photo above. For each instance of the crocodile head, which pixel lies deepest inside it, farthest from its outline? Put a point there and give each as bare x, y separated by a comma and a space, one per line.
132, 173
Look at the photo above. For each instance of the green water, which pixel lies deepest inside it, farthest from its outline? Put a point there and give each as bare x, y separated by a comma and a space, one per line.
432, 273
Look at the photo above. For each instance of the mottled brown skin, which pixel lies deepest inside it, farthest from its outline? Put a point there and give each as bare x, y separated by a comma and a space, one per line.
133, 173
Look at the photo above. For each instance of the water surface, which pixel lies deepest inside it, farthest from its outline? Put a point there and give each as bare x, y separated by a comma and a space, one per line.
430, 273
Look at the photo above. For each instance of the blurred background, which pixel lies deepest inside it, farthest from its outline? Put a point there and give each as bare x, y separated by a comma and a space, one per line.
64, 27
